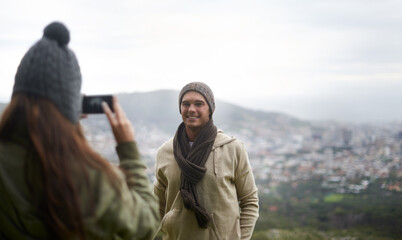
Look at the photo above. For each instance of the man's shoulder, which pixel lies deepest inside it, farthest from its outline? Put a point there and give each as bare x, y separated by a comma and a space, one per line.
167, 145
223, 139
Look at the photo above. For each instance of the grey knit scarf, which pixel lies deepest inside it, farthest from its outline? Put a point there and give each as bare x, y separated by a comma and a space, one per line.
191, 161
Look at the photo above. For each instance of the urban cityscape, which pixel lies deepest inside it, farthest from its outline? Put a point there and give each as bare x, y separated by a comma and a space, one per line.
347, 157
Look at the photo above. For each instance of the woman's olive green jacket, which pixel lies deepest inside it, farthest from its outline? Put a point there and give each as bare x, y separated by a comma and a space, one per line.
130, 214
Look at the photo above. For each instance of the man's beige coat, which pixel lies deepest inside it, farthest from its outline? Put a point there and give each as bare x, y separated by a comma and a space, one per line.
227, 191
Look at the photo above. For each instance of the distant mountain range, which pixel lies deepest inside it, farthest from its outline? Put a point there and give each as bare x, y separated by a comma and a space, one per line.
161, 109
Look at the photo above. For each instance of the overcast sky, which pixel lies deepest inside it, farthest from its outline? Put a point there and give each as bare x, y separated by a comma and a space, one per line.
314, 59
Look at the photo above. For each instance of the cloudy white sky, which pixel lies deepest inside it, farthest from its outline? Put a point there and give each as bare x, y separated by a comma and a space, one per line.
314, 59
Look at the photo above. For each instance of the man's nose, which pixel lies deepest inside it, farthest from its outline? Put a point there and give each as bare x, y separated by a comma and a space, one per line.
192, 108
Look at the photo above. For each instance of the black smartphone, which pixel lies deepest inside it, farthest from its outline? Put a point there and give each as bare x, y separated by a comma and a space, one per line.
92, 104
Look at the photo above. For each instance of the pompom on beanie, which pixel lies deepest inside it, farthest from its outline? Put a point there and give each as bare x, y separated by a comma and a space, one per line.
51, 70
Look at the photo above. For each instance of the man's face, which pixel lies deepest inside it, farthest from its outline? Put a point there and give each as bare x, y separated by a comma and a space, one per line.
194, 110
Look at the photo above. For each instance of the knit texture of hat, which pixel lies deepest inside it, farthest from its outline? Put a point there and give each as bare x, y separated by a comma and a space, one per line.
50, 69
201, 88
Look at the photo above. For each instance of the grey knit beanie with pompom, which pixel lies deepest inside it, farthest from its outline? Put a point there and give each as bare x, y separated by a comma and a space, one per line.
50, 69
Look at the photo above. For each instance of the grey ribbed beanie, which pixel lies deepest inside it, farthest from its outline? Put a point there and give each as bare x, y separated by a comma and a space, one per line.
50, 69
201, 88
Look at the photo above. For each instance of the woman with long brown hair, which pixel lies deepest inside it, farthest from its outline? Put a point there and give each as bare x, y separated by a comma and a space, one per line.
52, 184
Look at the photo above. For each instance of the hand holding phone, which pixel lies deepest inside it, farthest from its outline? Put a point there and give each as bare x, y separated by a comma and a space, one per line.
122, 128
93, 104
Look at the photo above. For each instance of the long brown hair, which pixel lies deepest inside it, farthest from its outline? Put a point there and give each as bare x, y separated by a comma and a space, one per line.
64, 157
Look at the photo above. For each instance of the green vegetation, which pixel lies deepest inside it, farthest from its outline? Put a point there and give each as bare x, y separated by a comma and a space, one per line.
313, 234
305, 210
331, 198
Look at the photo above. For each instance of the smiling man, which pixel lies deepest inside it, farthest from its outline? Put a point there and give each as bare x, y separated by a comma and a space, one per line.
204, 182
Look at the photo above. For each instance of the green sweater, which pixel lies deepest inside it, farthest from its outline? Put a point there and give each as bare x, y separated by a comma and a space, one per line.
133, 214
